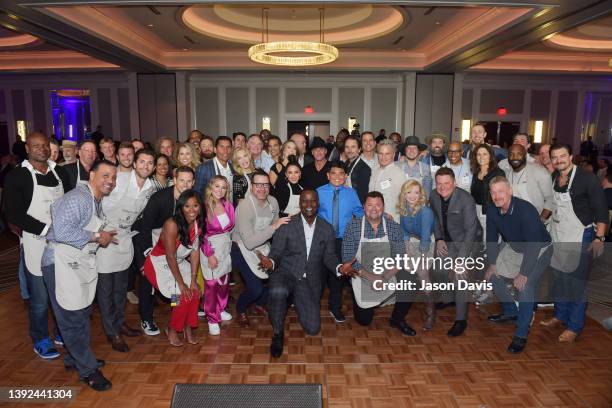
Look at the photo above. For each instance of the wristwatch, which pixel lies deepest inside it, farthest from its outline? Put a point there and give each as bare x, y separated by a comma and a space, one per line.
97, 237
602, 238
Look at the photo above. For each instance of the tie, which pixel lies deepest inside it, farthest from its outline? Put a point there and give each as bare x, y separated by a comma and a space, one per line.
336, 210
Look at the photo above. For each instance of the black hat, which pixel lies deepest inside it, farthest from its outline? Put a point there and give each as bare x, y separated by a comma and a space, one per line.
318, 142
414, 141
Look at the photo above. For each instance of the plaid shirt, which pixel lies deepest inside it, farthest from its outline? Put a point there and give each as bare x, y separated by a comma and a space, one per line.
352, 236
70, 214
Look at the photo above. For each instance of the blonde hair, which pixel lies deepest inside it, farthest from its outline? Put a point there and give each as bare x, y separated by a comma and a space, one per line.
195, 157
209, 199
282, 155
235, 164
402, 204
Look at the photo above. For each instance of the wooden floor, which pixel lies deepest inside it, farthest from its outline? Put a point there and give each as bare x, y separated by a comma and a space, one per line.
358, 367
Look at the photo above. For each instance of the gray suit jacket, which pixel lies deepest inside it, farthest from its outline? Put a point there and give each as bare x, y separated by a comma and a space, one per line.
462, 222
289, 251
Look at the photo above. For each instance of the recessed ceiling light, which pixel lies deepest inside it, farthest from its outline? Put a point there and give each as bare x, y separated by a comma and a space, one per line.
437, 23
185, 49
150, 25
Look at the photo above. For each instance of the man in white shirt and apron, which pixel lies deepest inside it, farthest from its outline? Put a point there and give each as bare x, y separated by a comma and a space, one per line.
388, 178
121, 209
29, 191
578, 230
529, 181
69, 267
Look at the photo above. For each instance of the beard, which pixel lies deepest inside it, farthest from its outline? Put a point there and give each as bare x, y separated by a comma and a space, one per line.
515, 164
207, 155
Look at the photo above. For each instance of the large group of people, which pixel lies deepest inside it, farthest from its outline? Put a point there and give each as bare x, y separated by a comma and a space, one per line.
106, 221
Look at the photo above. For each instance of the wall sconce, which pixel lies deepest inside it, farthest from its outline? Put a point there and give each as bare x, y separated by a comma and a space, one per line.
265, 123
466, 125
537, 131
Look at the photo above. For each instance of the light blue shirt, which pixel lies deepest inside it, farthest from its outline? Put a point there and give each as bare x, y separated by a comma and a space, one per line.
348, 206
265, 162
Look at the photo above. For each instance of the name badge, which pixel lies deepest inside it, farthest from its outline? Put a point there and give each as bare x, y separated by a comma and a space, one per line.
465, 179
565, 197
385, 184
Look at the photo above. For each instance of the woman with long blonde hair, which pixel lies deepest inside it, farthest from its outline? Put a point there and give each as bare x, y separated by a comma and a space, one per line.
215, 259
185, 154
243, 165
417, 221
288, 149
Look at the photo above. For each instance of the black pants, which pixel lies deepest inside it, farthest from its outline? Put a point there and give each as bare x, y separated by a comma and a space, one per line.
400, 309
111, 292
335, 284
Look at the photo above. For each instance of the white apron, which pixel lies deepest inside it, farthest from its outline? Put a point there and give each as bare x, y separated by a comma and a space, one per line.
120, 216
464, 181
76, 275
222, 244
509, 261
293, 206
40, 208
78, 178
250, 257
566, 231
418, 178
365, 296
519, 185
165, 280
348, 181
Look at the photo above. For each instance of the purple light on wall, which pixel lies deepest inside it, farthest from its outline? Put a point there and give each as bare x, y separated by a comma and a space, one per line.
70, 112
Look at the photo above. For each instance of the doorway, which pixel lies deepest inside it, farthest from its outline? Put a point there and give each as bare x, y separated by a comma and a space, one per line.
310, 128
500, 133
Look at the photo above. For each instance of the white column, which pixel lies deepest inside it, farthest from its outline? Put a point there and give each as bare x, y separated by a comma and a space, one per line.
367, 110
335, 120
222, 115
409, 102
282, 120
457, 107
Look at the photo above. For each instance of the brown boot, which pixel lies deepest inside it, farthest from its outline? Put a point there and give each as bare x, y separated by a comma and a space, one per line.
430, 313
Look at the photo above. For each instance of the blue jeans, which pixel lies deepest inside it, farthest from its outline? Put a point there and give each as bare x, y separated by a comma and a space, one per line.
23, 284
570, 289
255, 291
75, 328
38, 305
524, 311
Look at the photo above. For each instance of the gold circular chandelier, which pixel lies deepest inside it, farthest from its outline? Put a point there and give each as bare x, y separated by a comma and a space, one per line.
270, 52
265, 53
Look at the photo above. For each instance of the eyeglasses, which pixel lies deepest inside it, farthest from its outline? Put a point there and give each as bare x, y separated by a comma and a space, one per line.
455, 151
262, 185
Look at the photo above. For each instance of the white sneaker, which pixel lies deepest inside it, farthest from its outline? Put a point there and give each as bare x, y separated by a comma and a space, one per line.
213, 329
201, 313
226, 316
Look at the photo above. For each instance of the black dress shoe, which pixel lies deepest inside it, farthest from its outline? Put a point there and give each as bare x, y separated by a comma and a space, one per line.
501, 318
338, 316
443, 305
70, 367
118, 344
97, 381
517, 345
403, 327
276, 348
457, 329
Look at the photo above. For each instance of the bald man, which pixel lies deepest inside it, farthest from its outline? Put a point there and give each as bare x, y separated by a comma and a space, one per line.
460, 166
29, 191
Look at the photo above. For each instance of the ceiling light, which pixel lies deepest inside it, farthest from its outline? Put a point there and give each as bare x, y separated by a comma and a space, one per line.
267, 52
150, 25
